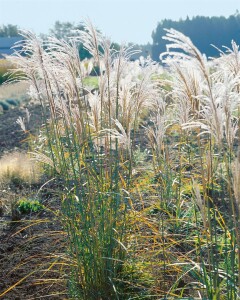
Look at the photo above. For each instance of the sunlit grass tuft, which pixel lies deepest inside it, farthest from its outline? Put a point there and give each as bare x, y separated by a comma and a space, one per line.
19, 167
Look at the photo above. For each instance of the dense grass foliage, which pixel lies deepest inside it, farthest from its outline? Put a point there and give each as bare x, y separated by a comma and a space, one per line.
149, 165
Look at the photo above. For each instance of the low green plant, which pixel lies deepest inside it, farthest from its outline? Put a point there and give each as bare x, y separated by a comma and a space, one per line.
26, 206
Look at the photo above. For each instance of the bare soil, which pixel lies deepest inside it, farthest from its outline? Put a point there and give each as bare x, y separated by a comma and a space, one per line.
11, 136
31, 245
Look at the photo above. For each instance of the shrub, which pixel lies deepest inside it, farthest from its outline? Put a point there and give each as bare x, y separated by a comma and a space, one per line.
5, 105
13, 102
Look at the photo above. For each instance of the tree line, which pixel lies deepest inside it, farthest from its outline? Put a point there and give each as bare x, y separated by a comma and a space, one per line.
203, 31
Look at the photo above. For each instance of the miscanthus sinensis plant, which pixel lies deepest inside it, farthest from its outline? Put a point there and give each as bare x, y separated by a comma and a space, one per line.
88, 141
206, 102
170, 228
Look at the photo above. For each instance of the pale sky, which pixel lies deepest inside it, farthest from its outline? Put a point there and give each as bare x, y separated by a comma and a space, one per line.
121, 20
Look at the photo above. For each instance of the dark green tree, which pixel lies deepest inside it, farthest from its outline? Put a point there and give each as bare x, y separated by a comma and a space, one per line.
203, 31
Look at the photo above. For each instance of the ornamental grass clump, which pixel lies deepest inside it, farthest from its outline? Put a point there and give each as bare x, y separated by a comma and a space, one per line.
88, 142
210, 90
148, 165
18, 168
